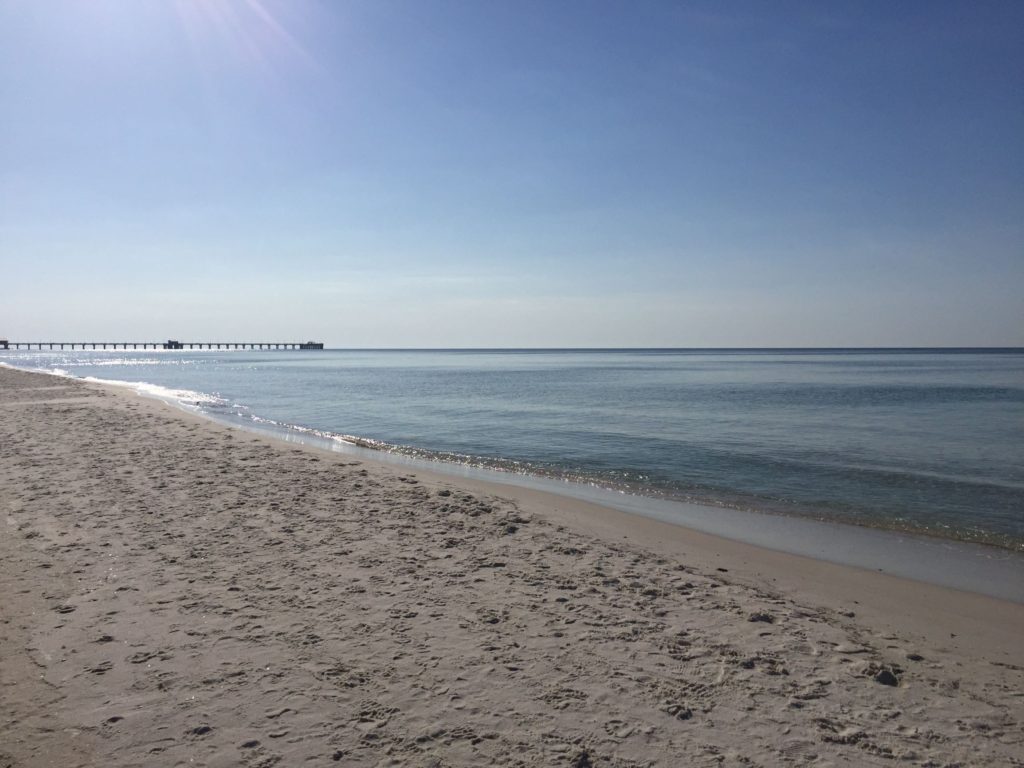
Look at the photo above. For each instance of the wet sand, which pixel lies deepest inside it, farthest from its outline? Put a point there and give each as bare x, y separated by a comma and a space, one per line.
178, 592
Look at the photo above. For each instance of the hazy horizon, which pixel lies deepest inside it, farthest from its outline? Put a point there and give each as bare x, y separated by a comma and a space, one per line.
513, 175
115, 346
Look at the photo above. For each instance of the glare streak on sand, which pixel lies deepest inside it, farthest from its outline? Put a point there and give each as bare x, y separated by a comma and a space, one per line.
179, 592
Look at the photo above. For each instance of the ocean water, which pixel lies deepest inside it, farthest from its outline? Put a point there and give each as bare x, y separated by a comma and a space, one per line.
924, 441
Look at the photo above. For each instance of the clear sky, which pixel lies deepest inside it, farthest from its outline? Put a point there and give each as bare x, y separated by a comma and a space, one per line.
569, 173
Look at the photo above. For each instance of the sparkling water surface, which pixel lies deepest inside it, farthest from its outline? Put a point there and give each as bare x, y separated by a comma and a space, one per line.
930, 441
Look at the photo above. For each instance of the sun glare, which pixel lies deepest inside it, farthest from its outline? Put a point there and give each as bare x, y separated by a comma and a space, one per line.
252, 30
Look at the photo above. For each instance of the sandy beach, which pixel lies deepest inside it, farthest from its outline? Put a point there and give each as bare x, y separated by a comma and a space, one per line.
176, 592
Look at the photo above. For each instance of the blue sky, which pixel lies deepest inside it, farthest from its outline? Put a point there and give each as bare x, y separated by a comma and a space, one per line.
513, 174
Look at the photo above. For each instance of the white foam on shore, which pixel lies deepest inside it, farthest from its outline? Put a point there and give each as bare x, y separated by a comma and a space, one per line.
182, 397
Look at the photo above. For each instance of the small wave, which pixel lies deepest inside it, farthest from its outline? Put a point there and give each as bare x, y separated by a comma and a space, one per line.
361, 442
35, 369
185, 397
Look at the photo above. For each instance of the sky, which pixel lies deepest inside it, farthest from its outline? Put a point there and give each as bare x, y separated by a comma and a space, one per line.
427, 173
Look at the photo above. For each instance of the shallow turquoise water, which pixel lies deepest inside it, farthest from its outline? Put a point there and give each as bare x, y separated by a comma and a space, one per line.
920, 440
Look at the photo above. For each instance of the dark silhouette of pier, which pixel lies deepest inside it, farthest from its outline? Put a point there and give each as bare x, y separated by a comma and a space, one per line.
169, 344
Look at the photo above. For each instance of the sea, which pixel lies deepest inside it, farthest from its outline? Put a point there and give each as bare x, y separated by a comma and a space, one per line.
928, 442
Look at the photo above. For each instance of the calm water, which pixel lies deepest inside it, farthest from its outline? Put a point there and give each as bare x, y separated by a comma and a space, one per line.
930, 441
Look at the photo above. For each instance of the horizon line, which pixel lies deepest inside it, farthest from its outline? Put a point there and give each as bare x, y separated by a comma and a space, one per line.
881, 348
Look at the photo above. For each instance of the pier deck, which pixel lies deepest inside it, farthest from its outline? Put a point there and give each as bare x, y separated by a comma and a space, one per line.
169, 344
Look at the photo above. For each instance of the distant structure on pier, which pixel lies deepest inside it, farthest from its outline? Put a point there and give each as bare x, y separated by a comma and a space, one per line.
169, 344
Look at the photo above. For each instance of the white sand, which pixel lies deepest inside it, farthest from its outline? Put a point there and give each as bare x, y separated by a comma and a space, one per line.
178, 593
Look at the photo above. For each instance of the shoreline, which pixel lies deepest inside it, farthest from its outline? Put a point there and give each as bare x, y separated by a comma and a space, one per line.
559, 626
983, 567
577, 484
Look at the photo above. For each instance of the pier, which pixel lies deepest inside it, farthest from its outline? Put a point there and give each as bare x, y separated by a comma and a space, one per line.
169, 344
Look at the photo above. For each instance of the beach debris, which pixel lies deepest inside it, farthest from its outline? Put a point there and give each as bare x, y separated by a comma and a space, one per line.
677, 710
884, 674
767, 618
886, 677
581, 760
